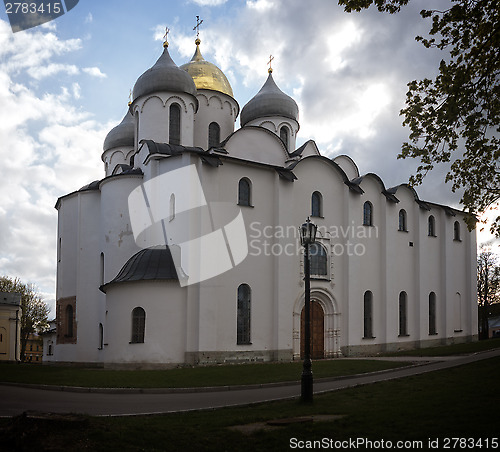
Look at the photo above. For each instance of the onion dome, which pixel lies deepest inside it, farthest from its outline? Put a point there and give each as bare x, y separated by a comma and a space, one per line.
205, 74
269, 101
165, 75
122, 135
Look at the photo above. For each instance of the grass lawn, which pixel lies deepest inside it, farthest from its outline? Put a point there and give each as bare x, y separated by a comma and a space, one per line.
241, 374
458, 402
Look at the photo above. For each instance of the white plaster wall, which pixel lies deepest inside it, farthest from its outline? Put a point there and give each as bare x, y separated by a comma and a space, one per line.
257, 145
165, 306
153, 117
214, 107
274, 124
116, 235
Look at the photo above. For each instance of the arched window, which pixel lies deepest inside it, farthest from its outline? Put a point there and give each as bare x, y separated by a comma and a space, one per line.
213, 135
244, 192
402, 220
367, 214
431, 226
368, 315
69, 321
172, 207
101, 336
316, 204
318, 259
403, 314
432, 313
243, 315
174, 132
138, 325
456, 231
284, 135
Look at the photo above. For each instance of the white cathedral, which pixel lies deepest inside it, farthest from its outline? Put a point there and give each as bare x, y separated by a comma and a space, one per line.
389, 271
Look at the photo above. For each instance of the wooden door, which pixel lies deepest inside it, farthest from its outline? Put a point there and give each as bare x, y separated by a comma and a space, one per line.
317, 331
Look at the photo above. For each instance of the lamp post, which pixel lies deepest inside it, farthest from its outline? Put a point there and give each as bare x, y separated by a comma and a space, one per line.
307, 237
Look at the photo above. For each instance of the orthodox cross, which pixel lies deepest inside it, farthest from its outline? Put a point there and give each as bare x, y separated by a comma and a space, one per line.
167, 31
271, 58
197, 28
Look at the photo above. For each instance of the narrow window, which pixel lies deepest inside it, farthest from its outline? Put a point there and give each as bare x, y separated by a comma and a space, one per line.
243, 315
432, 226
50, 350
316, 204
368, 315
318, 260
367, 214
175, 124
284, 135
432, 313
403, 320
101, 336
102, 269
402, 220
244, 192
213, 135
458, 313
69, 321
456, 231
59, 250
138, 325
172, 207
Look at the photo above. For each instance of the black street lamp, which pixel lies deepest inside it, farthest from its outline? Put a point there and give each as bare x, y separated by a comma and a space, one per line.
307, 237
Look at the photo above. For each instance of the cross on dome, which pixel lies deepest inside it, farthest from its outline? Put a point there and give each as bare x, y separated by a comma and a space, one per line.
165, 36
197, 27
271, 58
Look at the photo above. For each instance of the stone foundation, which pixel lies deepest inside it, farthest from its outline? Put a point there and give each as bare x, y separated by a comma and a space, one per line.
376, 349
236, 357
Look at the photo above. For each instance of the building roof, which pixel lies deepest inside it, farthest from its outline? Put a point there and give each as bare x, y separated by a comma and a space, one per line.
150, 264
164, 75
205, 74
121, 135
269, 101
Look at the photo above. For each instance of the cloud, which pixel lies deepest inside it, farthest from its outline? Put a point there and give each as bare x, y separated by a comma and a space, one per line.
46, 142
94, 72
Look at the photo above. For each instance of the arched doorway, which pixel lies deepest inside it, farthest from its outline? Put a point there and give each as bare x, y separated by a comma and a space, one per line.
317, 331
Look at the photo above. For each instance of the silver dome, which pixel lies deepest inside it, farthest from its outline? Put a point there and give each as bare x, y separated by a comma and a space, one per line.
269, 101
121, 135
165, 75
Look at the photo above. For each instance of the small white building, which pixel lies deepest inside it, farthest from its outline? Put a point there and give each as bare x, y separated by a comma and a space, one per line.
389, 270
10, 326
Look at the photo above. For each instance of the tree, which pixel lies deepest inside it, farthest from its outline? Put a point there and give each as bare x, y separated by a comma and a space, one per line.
35, 312
488, 286
454, 118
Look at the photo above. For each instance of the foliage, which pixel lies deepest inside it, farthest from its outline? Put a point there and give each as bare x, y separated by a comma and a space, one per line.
34, 317
455, 117
488, 285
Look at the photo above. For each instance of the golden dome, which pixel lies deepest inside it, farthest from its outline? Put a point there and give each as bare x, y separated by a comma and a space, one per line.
206, 75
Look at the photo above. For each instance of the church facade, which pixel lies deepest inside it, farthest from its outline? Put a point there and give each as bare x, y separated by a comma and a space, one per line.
150, 273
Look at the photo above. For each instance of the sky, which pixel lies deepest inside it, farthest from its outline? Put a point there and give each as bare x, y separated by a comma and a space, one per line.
65, 84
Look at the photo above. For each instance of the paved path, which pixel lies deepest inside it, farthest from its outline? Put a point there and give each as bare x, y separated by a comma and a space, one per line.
14, 400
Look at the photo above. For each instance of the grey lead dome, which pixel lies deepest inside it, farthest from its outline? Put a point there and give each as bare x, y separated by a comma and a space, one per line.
122, 135
165, 75
269, 101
